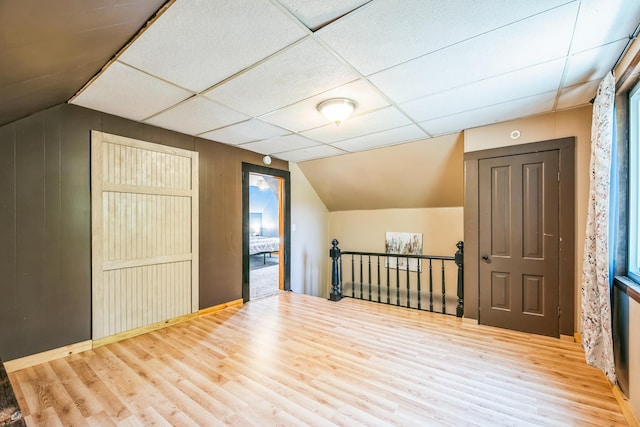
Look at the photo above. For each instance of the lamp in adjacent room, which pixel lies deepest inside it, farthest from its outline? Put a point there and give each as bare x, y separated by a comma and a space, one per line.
337, 110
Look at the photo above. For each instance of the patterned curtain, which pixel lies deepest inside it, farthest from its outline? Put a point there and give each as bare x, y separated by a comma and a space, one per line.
597, 338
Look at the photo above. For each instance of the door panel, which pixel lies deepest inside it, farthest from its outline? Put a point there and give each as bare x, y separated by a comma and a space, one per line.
500, 299
533, 295
519, 242
144, 234
501, 211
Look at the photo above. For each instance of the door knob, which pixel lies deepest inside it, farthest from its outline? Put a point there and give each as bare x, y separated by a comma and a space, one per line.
485, 258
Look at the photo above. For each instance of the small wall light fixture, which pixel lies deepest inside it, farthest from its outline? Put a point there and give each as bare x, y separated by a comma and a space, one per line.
266, 160
337, 110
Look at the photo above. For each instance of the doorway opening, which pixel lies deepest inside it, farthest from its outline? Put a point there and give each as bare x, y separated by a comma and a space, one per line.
266, 213
265, 250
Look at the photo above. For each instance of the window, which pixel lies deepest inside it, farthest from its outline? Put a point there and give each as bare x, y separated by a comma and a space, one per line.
634, 183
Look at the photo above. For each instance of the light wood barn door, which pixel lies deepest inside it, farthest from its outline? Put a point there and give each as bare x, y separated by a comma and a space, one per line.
144, 233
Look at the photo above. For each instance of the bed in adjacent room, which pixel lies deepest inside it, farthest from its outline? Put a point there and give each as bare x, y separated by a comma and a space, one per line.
261, 245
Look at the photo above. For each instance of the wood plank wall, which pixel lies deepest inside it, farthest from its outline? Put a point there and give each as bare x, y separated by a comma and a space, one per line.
45, 223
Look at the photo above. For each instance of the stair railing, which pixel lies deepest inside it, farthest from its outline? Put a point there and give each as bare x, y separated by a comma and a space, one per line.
423, 282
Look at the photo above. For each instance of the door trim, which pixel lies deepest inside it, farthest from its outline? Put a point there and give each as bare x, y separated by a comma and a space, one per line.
566, 148
247, 169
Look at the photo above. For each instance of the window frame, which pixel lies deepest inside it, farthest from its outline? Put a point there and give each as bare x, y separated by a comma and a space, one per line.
633, 261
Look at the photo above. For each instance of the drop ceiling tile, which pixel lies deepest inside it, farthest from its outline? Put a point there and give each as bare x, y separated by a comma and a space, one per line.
114, 89
198, 43
506, 87
364, 124
601, 22
240, 133
195, 116
316, 14
577, 95
384, 33
593, 63
279, 144
382, 139
532, 41
304, 115
311, 153
301, 71
489, 115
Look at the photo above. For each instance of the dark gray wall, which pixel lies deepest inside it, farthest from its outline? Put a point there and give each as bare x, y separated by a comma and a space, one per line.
45, 230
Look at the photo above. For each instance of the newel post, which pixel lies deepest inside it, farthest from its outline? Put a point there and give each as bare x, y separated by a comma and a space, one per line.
459, 259
334, 253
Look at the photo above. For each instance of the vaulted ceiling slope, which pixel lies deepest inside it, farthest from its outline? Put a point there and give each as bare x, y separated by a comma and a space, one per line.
51, 49
251, 72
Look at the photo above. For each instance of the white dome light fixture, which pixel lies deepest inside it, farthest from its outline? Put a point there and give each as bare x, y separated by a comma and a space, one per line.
266, 160
337, 110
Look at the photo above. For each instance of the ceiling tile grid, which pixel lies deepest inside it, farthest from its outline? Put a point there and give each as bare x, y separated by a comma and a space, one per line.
280, 144
243, 132
315, 14
385, 33
310, 153
376, 121
251, 73
491, 114
195, 116
579, 94
303, 70
197, 43
522, 83
601, 22
129, 93
592, 63
304, 115
501, 51
382, 139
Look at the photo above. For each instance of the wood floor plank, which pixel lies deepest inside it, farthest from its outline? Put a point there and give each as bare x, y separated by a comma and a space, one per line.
296, 360
112, 404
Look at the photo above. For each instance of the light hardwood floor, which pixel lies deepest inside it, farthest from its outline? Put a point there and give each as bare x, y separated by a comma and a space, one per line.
298, 360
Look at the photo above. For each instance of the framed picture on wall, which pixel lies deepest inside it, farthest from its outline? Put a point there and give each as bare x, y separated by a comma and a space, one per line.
403, 244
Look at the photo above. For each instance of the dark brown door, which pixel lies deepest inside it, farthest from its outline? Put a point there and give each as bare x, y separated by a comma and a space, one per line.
519, 217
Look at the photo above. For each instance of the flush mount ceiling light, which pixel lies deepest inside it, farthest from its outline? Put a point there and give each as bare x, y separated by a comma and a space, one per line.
337, 110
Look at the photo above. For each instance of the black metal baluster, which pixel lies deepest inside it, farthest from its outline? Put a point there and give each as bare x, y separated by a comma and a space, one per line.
431, 285
398, 281
419, 273
459, 260
340, 274
369, 277
388, 281
379, 278
353, 277
444, 299
361, 276
408, 285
